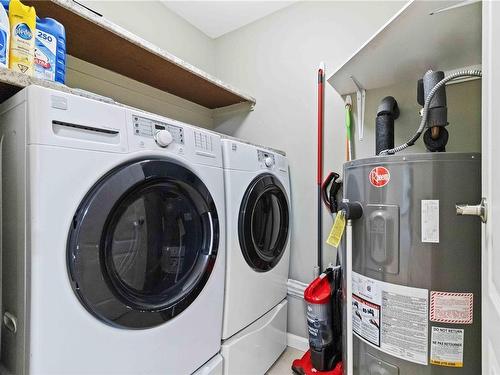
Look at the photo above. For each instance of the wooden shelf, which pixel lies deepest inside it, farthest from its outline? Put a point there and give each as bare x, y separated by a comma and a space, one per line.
125, 53
412, 42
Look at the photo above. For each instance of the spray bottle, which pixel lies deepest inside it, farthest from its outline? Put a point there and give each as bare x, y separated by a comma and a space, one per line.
22, 37
50, 50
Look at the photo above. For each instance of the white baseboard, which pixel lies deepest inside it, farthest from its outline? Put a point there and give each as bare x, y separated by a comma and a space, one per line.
297, 342
296, 288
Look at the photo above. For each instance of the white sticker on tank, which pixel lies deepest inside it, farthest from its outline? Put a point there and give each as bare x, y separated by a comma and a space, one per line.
447, 347
430, 221
399, 311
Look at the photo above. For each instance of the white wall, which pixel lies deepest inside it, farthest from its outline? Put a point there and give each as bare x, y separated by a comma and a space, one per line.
159, 25
276, 59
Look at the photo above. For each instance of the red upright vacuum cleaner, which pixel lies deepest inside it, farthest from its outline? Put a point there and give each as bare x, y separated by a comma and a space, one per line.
324, 317
323, 296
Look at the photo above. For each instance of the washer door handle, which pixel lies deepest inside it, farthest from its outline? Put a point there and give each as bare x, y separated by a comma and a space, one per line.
210, 220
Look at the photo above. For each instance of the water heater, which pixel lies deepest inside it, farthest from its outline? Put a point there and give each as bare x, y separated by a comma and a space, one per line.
416, 265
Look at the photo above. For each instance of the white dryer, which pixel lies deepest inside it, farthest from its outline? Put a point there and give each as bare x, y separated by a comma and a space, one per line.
113, 239
257, 258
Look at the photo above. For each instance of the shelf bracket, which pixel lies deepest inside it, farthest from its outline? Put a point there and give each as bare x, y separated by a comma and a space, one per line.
233, 109
360, 107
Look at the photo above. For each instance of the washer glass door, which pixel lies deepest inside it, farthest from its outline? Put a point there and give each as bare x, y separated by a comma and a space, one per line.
143, 244
263, 223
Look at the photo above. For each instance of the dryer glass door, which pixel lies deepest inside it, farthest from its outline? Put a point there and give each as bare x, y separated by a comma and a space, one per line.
263, 223
143, 244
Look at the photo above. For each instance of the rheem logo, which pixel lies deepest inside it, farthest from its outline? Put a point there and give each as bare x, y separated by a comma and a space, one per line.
379, 176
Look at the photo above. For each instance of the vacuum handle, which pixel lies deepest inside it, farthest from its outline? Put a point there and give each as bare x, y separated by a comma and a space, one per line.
326, 196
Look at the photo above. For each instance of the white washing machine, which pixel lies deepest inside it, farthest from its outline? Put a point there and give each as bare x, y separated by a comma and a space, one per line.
257, 257
113, 239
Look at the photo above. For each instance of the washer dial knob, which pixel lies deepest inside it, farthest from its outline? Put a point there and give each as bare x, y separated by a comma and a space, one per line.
269, 162
163, 138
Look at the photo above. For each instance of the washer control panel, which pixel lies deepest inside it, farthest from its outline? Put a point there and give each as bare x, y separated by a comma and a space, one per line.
266, 158
146, 127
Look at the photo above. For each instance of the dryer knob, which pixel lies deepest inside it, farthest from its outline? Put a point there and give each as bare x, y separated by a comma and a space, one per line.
269, 162
163, 138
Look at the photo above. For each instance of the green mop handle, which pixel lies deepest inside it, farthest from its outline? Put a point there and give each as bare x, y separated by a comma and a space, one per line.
348, 129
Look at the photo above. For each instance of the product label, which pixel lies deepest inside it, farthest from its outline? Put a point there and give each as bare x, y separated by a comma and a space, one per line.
397, 313
379, 176
453, 308
23, 31
430, 221
447, 347
21, 48
337, 230
45, 55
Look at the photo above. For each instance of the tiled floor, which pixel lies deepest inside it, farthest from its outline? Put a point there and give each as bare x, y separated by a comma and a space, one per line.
283, 365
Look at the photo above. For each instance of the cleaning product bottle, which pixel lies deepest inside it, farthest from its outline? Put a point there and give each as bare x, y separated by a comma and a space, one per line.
4, 35
22, 37
50, 50
5, 4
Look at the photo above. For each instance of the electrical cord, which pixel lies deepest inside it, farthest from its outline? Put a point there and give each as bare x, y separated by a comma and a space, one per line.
425, 110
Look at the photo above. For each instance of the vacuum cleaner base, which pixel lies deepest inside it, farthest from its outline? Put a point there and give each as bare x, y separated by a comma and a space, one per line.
303, 366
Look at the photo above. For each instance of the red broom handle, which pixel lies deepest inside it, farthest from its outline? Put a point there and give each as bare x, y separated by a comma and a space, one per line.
321, 93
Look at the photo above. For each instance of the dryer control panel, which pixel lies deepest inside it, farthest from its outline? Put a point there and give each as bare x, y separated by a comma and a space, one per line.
266, 159
146, 127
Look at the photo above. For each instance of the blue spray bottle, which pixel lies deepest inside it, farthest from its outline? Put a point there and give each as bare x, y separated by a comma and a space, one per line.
50, 50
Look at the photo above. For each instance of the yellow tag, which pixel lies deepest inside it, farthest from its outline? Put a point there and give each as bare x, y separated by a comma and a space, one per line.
446, 363
337, 230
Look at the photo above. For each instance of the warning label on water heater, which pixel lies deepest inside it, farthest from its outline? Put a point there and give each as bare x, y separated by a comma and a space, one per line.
453, 308
397, 314
366, 319
447, 347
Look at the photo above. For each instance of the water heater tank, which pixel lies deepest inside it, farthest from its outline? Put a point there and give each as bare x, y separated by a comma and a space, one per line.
416, 265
